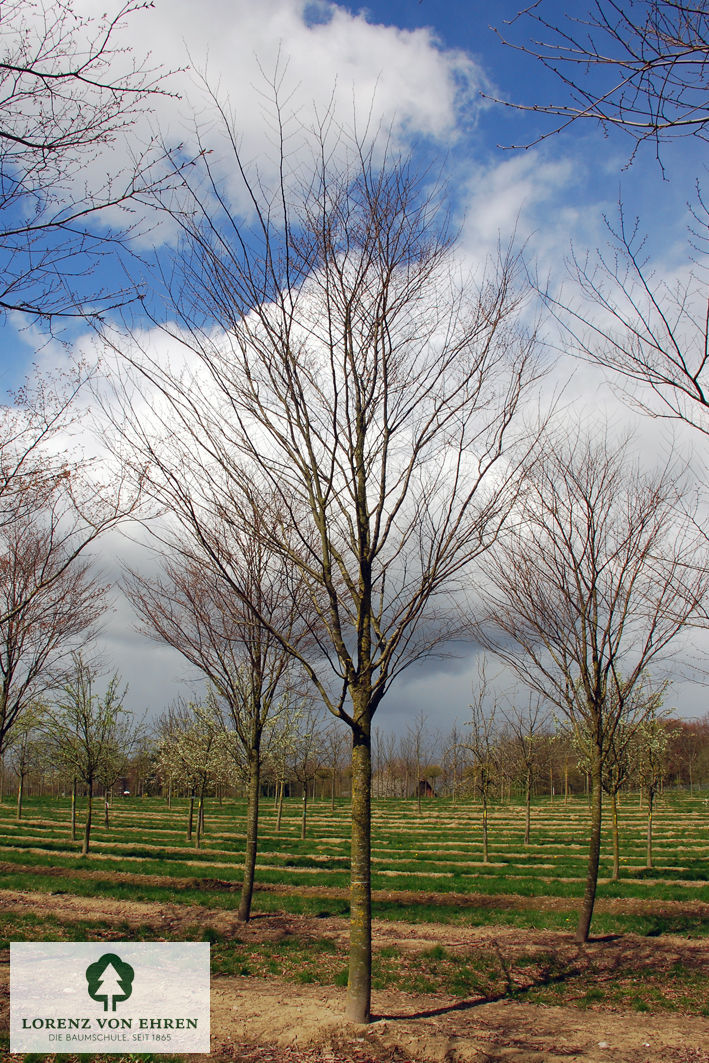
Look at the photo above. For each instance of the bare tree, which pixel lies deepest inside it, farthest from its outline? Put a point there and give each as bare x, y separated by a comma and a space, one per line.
637, 67
527, 726
651, 331
192, 607
47, 606
305, 753
601, 573
484, 746
350, 374
334, 746
71, 94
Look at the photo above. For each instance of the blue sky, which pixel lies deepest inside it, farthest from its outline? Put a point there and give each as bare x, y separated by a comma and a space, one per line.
424, 64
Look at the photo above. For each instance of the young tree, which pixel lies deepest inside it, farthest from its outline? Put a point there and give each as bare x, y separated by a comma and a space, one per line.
600, 574
352, 376
651, 742
526, 727
26, 749
484, 747
90, 734
192, 752
305, 754
334, 748
193, 608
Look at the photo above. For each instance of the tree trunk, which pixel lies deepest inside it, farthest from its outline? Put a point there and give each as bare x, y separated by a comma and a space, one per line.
105, 809
650, 804
360, 969
73, 810
200, 819
279, 816
528, 808
485, 847
20, 794
566, 784
89, 811
616, 840
252, 810
594, 852
332, 794
304, 820
190, 817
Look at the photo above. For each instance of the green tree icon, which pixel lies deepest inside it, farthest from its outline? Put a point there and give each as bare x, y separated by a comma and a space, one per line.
110, 980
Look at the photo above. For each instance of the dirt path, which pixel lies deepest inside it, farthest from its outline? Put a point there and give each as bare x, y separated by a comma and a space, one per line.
270, 1021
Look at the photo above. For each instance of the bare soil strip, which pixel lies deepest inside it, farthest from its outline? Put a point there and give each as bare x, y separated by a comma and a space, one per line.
269, 1021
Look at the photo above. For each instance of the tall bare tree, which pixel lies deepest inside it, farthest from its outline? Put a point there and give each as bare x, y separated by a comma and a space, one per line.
340, 363
599, 576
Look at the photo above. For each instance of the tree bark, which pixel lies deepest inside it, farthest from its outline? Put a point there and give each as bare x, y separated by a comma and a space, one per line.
252, 811
73, 810
190, 817
485, 844
616, 840
650, 805
105, 810
304, 820
594, 852
87, 825
360, 970
528, 809
20, 794
279, 816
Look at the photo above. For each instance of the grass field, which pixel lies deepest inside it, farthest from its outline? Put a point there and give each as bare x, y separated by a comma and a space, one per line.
428, 869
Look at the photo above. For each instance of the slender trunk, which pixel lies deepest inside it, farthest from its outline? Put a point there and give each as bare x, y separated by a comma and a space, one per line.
528, 808
616, 840
252, 810
650, 804
594, 852
169, 793
89, 810
105, 809
73, 810
332, 791
566, 784
551, 784
20, 794
360, 968
200, 818
279, 816
190, 817
485, 848
304, 820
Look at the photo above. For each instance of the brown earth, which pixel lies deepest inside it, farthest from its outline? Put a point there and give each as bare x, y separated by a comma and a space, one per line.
270, 1021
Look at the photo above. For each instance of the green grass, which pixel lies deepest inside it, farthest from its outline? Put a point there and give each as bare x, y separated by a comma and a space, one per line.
143, 856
